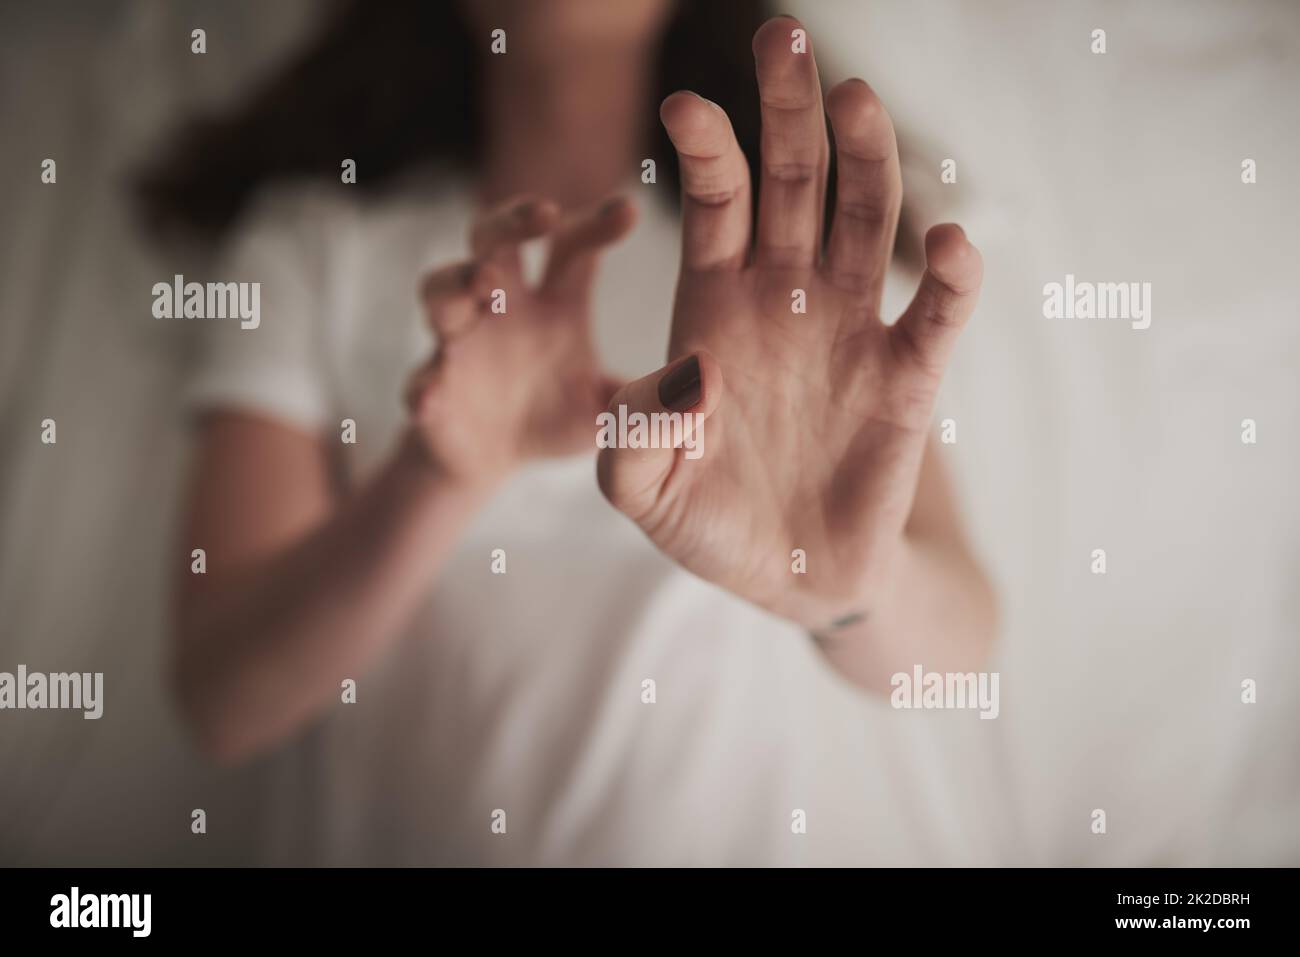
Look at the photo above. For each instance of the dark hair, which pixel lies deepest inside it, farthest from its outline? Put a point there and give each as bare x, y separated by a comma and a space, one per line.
353, 91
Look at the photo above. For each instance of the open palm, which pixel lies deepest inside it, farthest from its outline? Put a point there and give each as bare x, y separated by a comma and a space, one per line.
816, 412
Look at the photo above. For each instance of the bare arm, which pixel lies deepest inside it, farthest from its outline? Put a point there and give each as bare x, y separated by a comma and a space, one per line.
307, 585
301, 590
940, 610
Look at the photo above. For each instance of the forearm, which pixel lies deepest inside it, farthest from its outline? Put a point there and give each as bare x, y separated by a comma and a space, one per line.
937, 610
272, 640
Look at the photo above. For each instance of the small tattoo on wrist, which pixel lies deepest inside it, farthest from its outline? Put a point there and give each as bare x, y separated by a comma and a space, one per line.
852, 618
828, 633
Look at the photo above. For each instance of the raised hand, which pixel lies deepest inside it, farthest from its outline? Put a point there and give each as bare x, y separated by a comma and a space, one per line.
503, 388
815, 423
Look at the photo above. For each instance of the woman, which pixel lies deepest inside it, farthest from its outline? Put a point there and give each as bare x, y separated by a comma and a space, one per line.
467, 654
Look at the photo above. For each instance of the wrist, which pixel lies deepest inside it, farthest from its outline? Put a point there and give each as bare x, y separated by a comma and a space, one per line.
423, 472
935, 606
862, 612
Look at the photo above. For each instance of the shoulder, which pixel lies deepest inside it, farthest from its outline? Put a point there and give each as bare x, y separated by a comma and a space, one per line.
332, 225
305, 214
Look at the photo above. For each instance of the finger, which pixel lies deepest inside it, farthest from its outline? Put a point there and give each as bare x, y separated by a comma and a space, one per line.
591, 394
455, 297
578, 244
928, 329
496, 235
715, 183
794, 150
419, 387
689, 390
869, 190
607, 386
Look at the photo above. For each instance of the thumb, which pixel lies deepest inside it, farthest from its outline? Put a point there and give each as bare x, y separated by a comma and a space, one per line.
651, 424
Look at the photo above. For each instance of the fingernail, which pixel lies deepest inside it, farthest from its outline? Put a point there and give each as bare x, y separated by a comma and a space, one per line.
679, 389
705, 99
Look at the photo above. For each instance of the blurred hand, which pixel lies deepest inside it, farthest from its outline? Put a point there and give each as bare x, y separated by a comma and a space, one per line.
816, 422
503, 388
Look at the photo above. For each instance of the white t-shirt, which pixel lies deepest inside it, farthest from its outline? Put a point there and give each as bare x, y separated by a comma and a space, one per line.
523, 692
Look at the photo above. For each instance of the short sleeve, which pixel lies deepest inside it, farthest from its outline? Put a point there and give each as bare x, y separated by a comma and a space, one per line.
278, 369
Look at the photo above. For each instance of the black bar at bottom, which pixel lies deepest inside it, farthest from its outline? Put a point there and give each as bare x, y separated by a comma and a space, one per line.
336, 906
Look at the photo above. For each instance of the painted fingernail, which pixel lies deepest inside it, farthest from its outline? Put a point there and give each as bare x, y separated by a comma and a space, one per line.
679, 389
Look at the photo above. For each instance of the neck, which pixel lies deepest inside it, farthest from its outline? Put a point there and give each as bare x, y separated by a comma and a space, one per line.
569, 127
